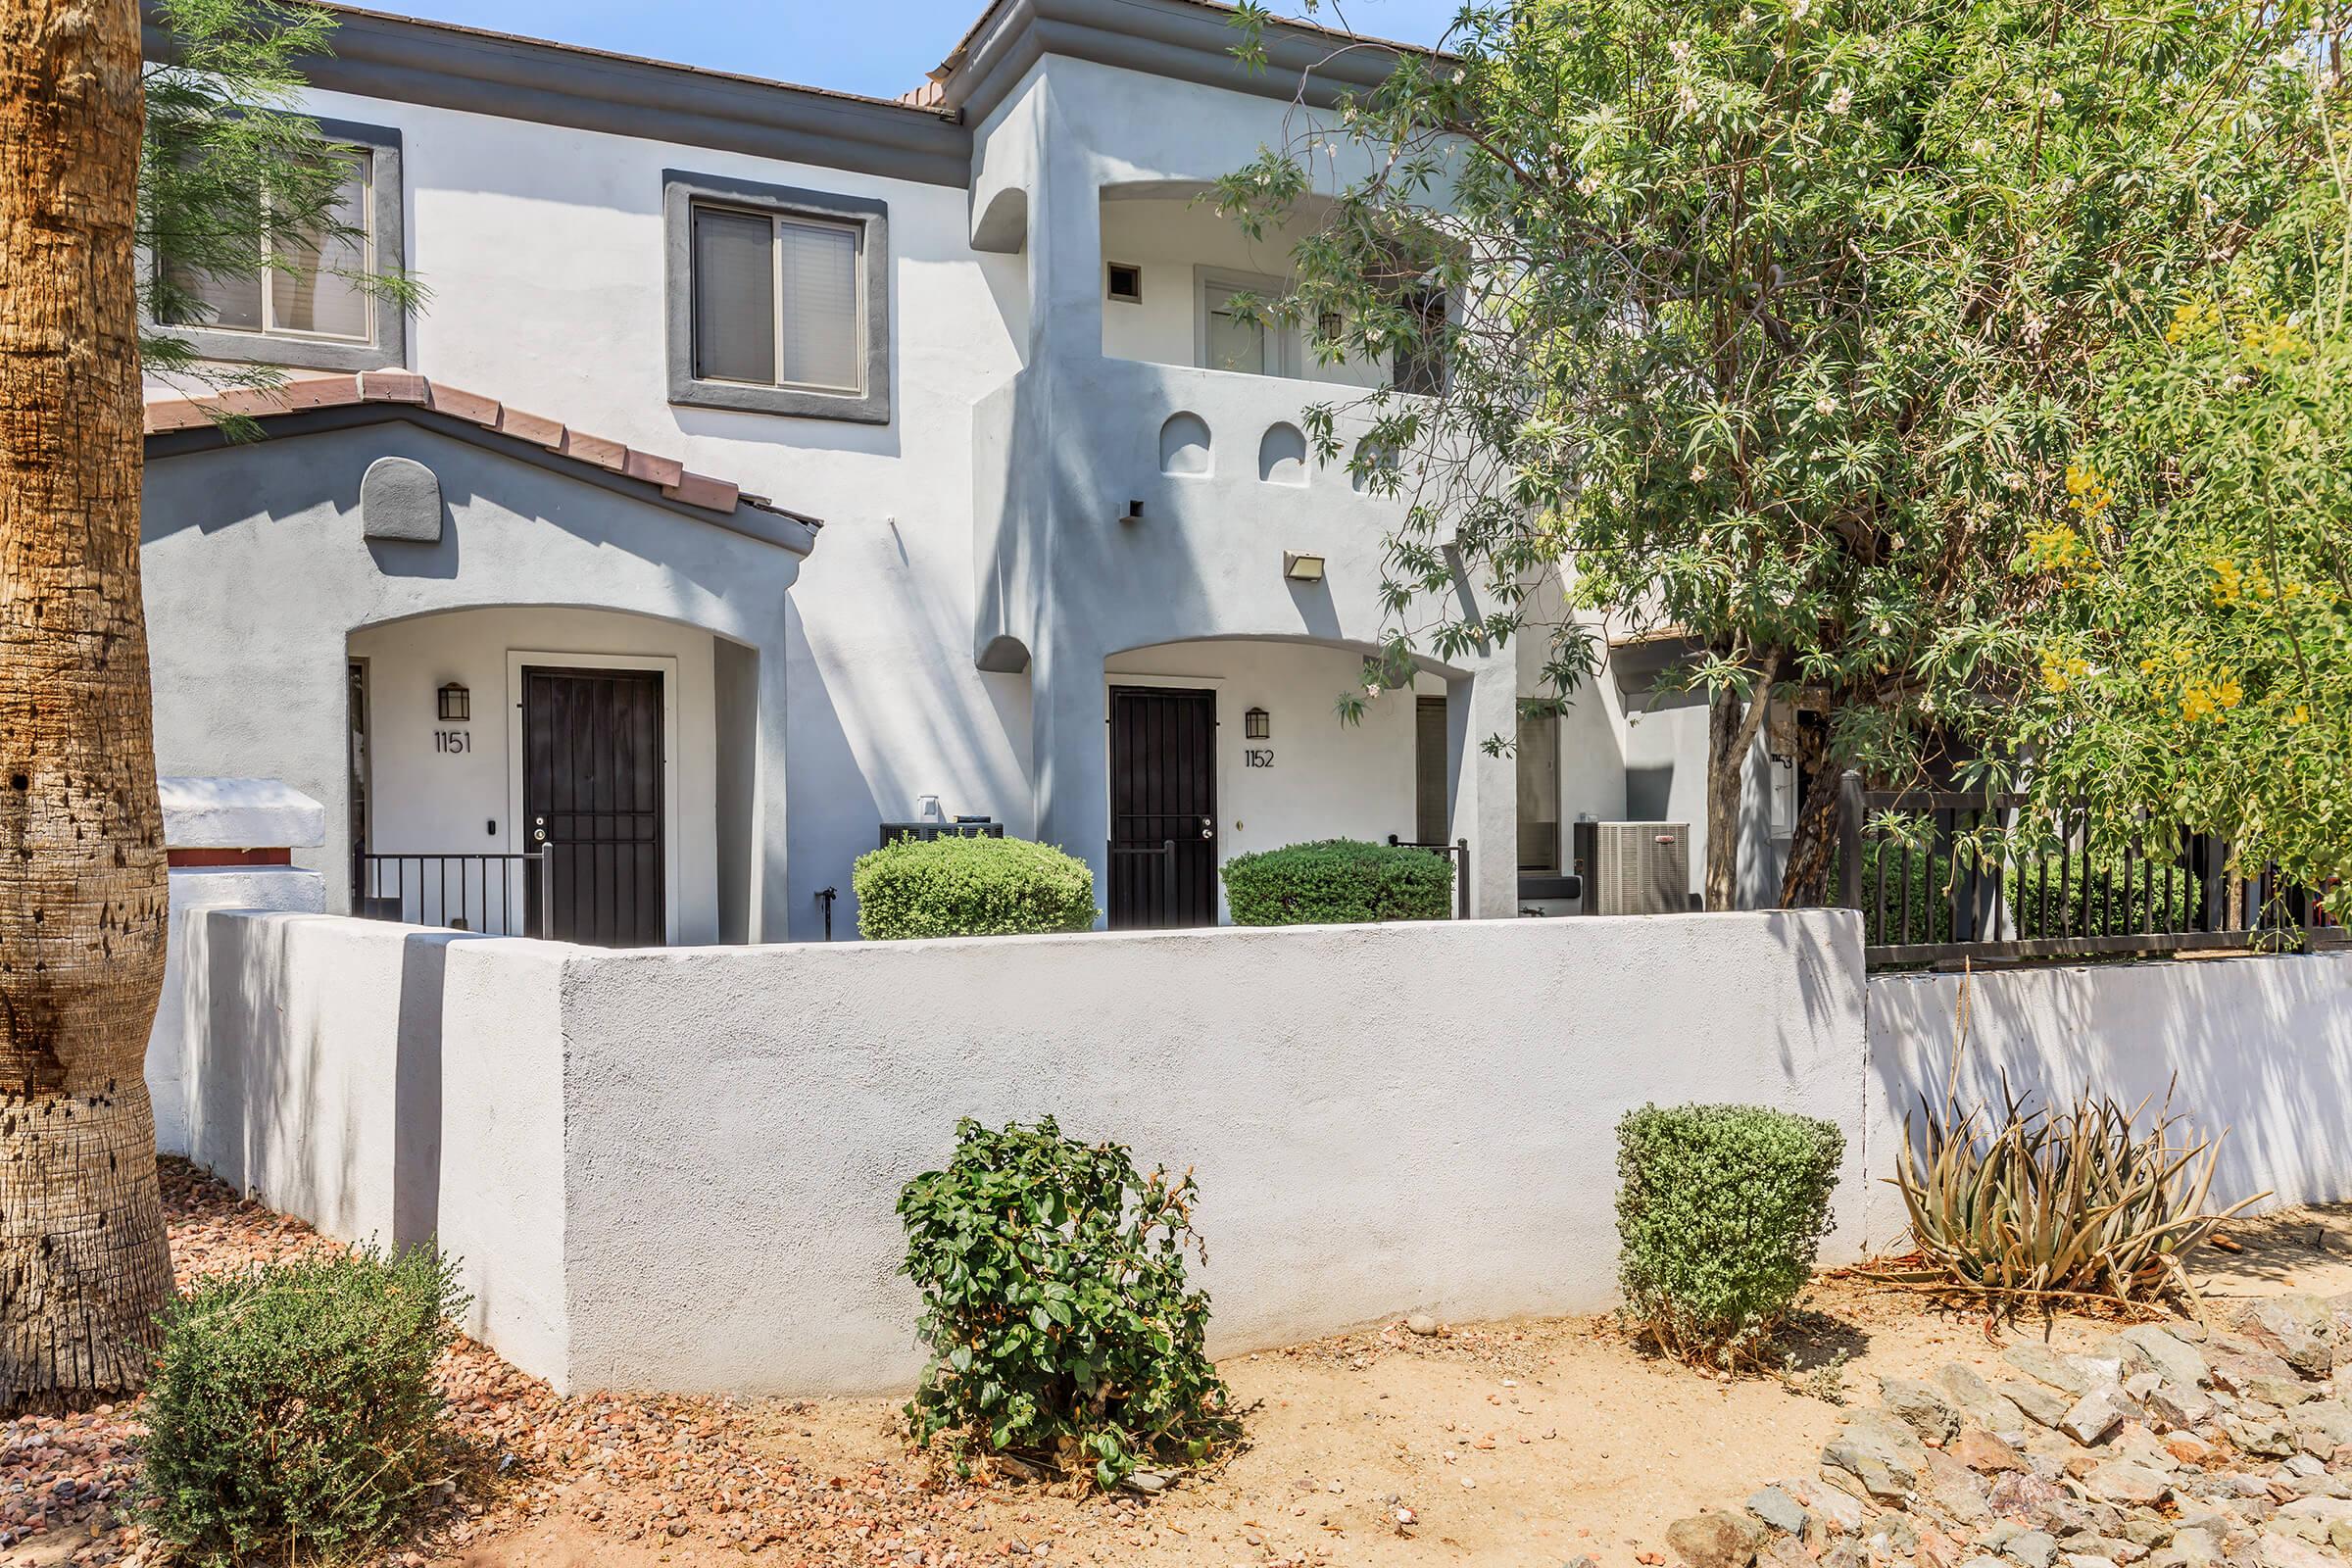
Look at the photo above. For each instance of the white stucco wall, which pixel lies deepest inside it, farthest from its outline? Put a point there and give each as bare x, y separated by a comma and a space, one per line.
2261, 1046
426, 800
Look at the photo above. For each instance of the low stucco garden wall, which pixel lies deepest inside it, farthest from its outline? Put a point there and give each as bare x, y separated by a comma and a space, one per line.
2261, 1046
678, 1169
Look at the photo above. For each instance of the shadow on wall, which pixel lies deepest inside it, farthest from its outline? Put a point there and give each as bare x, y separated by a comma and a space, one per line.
2259, 1046
324, 1101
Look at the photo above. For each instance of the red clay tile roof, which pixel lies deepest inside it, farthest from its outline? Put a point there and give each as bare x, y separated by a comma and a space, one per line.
401, 386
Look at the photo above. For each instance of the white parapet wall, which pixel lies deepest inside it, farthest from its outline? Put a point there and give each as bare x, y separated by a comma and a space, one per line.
679, 1169
231, 844
2259, 1046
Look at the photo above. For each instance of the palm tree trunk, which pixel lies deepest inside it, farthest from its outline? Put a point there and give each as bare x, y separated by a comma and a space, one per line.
83, 898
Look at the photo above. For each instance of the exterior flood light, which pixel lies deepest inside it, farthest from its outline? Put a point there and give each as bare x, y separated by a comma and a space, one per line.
457, 704
1302, 569
1257, 726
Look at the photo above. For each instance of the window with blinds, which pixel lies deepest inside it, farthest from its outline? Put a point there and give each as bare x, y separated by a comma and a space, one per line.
310, 282
776, 300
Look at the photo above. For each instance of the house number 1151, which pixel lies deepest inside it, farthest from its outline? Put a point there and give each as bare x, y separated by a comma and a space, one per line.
453, 740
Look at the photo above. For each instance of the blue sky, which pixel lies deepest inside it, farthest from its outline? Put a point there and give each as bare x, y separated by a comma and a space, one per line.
880, 47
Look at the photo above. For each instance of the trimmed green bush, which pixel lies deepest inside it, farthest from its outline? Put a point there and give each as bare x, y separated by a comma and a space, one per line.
1056, 1307
1720, 1213
970, 887
293, 1410
1338, 882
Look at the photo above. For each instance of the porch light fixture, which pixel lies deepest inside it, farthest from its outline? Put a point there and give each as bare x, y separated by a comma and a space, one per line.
1301, 568
1257, 724
457, 704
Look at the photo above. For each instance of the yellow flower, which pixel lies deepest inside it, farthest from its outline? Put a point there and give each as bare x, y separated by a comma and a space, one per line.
2302, 714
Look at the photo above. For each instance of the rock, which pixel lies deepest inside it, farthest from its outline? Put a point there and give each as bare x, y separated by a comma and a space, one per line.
2036, 1402
1779, 1510
2256, 1429
2147, 1530
2281, 1550
1984, 1562
2096, 1414
1839, 1510
2174, 1406
1149, 1481
2086, 1559
2128, 1482
2022, 1496
2039, 1361
2235, 1361
2149, 1348
2288, 1327
1980, 1401
2033, 1547
1876, 1454
2189, 1447
2197, 1546
1921, 1408
2139, 1385
1954, 1487
2284, 1393
1423, 1324
2323, 1521
1715, 1540
1985, 1454
1781, 1552
2323, 1426
2138, 1445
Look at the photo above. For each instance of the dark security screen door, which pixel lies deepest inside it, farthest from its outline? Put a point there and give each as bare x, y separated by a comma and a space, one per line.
1164, 808
592, 799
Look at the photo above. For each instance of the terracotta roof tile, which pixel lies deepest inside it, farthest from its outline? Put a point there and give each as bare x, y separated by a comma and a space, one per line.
402, 387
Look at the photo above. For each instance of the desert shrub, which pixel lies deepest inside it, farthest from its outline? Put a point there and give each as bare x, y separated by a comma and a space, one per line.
293, 1409
970, 887
1719, 1212
1338, 882
2025, 1206
1055, 1306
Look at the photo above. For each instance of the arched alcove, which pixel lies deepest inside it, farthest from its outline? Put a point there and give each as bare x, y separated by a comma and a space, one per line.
1282, 456
1184, 447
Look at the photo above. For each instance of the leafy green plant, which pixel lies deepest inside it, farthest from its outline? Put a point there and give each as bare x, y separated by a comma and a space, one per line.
293, 1409
970, 887
2025, 1208
1338, 882
1720, 1213
1054, 1303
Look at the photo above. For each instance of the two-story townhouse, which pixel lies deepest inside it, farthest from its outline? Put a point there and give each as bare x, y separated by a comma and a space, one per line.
769, 464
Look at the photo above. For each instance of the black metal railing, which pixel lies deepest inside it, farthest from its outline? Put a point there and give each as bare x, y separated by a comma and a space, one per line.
1458, 851
498, 894
1941, 875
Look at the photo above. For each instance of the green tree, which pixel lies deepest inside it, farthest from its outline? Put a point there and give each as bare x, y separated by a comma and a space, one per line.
2192, 671
1770, 321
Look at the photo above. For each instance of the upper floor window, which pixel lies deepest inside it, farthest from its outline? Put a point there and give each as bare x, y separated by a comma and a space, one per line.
309, 306
778, 299
1421, 367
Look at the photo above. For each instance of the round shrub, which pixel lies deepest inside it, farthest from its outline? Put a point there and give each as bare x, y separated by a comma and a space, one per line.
1056, 1309
1338, 882
293, 1412
970, 887
1720, 1213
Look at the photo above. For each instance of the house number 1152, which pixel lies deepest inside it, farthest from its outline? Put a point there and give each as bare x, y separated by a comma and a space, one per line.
1258, 757
453, 740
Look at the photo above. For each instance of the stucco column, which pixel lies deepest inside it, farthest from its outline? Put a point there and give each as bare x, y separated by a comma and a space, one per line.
1072, 756
1065, 245
1485, 792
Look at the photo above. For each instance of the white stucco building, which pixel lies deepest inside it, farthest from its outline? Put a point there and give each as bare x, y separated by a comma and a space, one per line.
500, 575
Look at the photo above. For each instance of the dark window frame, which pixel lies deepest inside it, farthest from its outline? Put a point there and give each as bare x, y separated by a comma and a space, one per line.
681, 194
387, 344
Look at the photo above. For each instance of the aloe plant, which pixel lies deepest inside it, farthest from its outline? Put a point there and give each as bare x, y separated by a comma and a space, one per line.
2026, 1205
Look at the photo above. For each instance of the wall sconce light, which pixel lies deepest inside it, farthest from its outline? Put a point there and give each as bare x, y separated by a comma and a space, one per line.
1301, 568
1328, 327
457, 704
1257, 724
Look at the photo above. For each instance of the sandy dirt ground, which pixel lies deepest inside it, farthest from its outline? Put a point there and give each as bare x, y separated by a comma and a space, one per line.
1526, 1443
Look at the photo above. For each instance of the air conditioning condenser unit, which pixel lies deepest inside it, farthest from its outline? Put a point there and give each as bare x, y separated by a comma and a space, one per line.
1635, 867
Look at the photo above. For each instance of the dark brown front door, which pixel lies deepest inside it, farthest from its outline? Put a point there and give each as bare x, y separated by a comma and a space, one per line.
592, 799
1164, 808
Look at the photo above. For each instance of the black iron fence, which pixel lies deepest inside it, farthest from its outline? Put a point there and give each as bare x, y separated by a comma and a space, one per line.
499, 895
1944, 874
1458, 851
